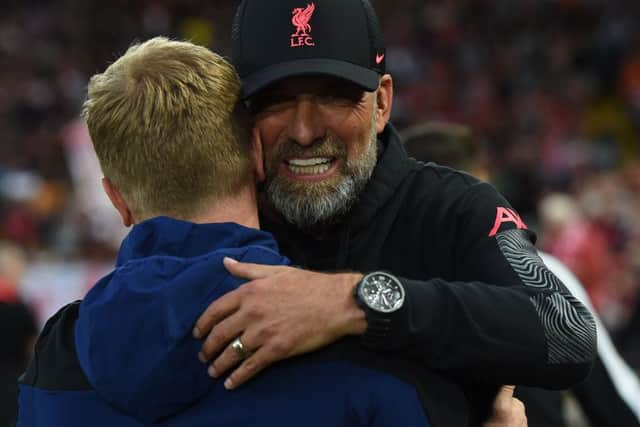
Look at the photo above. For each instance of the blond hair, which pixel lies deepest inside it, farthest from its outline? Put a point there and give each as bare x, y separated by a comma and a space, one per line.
167, 128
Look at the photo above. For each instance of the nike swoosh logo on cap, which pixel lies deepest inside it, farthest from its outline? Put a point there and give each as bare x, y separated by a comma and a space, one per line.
379, 58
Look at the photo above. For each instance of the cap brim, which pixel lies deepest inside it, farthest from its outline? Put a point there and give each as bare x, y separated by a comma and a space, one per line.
364, 77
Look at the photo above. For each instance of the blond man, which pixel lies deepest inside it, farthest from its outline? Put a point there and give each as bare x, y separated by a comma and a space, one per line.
179, 166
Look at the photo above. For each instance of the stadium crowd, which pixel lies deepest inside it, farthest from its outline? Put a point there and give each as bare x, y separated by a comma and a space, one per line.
550, 88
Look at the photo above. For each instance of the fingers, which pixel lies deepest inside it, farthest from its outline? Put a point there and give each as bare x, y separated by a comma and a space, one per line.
248, 369
230, 358
250, 271
230, 302
218, 310
220, 336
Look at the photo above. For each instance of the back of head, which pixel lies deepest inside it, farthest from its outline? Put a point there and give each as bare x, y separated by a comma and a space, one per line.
167, 128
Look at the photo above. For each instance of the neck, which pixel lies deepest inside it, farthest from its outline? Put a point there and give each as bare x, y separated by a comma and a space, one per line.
240, 208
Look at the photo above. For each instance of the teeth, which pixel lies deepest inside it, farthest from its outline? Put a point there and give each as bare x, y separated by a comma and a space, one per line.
310, 162
309, 170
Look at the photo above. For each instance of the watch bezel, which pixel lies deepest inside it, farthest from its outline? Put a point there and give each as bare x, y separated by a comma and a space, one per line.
391, 278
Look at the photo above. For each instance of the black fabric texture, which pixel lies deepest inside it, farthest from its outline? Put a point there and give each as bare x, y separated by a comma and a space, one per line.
544, 408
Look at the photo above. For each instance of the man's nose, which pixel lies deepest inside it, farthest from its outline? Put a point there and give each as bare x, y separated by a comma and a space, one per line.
306, 126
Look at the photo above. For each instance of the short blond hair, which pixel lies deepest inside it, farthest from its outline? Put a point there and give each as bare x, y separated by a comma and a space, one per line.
168, 129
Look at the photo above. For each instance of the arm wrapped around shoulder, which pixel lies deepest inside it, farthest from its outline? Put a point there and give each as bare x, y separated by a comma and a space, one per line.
496, 314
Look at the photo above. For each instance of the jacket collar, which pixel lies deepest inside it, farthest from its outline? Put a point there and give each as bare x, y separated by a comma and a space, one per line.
392, 167
163, 236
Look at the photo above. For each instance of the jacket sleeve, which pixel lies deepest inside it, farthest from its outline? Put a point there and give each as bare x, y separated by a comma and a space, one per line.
501, 317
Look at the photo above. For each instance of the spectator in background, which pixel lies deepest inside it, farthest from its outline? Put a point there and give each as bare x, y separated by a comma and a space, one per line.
581, 244
595, 232
17, 330
609, 396
451, 144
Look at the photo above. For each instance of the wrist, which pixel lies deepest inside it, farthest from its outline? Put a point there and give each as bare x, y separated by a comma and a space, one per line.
382, 297
352, 318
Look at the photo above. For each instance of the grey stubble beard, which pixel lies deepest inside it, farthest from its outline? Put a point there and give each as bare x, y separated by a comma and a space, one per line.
308, 205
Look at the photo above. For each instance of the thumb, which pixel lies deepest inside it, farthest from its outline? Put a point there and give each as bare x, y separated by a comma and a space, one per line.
502, 402
506, 391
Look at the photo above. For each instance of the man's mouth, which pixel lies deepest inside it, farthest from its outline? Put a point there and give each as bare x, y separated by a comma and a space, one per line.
309, 166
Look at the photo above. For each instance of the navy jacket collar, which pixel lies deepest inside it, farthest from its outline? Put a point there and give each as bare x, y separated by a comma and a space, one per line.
171, 237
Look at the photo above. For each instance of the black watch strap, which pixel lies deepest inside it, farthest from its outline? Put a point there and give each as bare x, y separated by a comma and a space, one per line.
383, 329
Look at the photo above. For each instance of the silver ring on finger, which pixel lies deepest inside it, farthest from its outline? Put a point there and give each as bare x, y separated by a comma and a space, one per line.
238, 347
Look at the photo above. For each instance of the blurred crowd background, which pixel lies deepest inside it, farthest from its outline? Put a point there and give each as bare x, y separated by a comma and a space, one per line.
549, 88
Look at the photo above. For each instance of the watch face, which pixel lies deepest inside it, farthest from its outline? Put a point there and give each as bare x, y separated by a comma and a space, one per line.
382, 292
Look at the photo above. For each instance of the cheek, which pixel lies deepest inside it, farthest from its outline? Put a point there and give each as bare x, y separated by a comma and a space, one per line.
356, 129
358, 137
269, 131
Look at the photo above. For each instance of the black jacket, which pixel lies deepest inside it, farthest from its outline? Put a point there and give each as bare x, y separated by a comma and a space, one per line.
481, 306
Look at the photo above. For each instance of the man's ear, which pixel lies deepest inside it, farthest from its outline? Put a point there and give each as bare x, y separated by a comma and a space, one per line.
384, 102
118, 202
258, 159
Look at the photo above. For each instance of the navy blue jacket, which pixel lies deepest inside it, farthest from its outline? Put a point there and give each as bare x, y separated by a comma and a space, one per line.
125, 355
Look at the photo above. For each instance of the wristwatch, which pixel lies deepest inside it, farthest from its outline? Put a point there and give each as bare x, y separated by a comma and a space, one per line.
382, 297
380, 294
